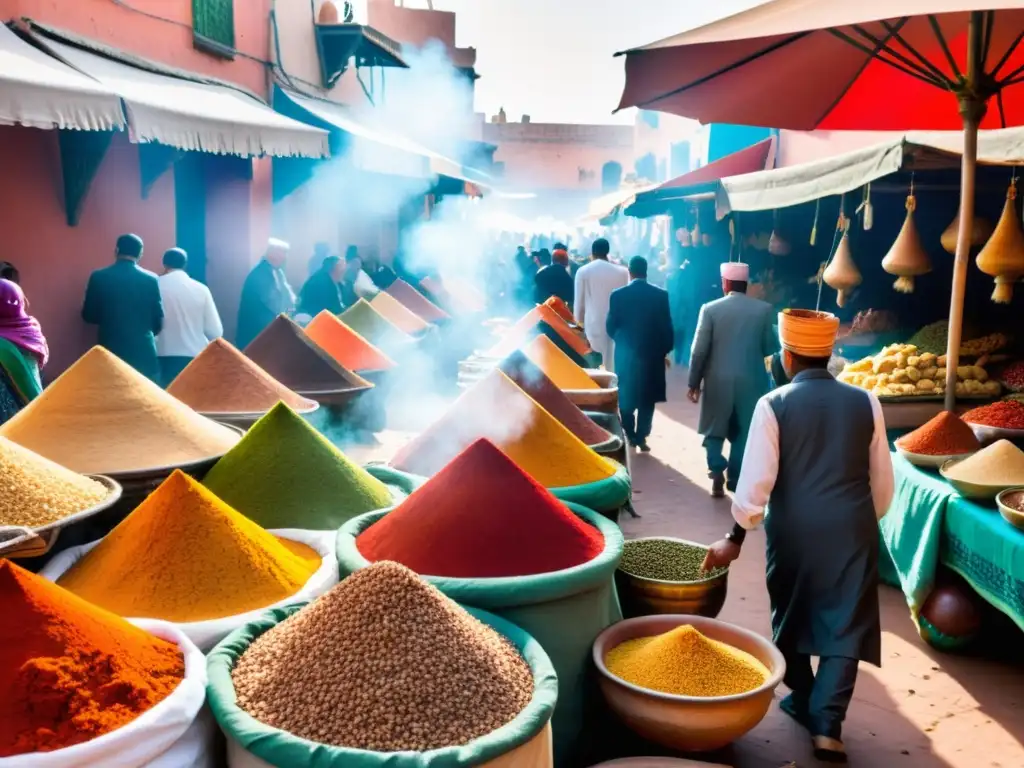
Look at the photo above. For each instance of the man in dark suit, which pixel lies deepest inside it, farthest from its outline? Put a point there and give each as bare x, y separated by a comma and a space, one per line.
640, 325
553, 279
124, 301
266, 293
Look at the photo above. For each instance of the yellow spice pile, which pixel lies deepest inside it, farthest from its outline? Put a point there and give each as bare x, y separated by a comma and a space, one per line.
35, 492
686, 663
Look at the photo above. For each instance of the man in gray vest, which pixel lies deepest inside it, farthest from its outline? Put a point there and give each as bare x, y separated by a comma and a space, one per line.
734, 336
818, 458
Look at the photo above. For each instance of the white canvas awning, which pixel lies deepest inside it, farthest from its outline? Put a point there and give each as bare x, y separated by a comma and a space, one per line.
916, 150
194, 115
38, 91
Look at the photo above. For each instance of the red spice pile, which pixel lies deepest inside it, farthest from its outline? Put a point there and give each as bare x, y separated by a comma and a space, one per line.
1013, 376
944, 435
532, 380
481, 517
1006, 414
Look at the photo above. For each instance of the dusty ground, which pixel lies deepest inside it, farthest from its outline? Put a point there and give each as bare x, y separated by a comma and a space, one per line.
922, 709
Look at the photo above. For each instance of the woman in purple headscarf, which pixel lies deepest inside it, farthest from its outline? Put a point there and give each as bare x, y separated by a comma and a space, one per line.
23, 352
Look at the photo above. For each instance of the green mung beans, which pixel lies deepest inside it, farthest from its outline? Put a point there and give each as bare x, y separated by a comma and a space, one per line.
665, 560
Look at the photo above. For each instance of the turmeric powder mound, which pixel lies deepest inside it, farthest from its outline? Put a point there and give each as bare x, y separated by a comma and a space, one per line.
557, 365
686, 663
561, 309
346, 346
69, 671
520, 333
399, 314
35, 492
223, 380
102, 417
184, 555
498, 410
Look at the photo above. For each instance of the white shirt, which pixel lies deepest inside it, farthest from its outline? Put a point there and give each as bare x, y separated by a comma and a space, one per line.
761, 466
190, 316
593, 288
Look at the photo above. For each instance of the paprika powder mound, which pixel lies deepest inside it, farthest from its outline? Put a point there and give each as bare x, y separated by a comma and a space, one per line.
557, 365
532, 380
944, 435
70, 671
496, 409
521, 332
417, 302
346, 346
102, 417
183, 555
362, 318
560, 308
282, 453
398, 314
285, 352
220, 379
1005, 414
481, 517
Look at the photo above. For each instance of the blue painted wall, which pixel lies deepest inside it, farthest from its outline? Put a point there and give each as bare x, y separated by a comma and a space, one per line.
726, 139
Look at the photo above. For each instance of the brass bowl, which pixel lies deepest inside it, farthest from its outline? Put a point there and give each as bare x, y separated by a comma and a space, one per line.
1010, 514
688, 723
643, 597
975, 491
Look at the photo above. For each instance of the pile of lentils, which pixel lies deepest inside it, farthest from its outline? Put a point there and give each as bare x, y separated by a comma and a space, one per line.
386, 663
665, 560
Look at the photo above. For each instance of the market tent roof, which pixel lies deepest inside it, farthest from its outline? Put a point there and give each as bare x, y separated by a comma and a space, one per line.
194, 115
38, 91
756, 157
916, 150
610, 205
374, 149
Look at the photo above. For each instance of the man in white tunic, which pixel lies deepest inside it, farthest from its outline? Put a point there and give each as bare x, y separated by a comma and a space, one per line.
818, 458
593, 290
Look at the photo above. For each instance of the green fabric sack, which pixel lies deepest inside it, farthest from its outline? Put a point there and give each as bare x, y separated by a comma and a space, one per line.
564, 611
284, 750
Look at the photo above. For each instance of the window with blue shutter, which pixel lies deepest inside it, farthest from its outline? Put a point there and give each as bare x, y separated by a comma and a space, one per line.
213, 27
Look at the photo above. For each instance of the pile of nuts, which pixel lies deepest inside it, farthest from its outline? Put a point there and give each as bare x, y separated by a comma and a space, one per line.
386, 663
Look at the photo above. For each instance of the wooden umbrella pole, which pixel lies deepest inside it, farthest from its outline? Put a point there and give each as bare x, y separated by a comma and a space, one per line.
972, 108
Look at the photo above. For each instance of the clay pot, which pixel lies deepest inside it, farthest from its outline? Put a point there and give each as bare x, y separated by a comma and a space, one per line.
1003, 254
328, 13
842, 274
950, 617
907, 258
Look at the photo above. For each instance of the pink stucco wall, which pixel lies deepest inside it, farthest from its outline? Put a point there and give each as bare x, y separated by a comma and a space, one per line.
55, 260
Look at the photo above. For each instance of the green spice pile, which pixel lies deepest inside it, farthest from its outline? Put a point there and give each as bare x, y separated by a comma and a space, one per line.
665, 560
285, 474
932, 338
383, 662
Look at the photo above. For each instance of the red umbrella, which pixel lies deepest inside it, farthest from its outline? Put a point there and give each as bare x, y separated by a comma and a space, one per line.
850, 65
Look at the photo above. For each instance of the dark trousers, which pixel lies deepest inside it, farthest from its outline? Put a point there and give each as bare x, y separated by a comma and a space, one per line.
714, 447
637, 423
824, 696
170, 367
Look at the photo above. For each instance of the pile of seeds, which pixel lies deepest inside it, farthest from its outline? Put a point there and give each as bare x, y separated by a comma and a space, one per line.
35, 491
665, 560
383, 662
686, 663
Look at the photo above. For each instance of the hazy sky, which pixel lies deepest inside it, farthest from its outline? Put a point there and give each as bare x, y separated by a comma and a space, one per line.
552, 59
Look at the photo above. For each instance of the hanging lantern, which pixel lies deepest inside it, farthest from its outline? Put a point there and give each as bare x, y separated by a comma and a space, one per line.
1003, 254
696, 234
328, 13
777, 244
842, 274
705, 239
683, 236
907, 258
867, 208
980, 232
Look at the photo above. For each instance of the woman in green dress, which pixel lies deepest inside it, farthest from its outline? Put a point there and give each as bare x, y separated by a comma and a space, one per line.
23, 352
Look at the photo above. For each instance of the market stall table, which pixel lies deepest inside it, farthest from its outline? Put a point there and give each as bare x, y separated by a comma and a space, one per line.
929, 524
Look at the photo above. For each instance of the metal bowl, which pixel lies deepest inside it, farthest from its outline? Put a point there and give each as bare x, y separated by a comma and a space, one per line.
688, 723
977, 491
988, 434
245, 419
645, 597
927, 461
1010, 514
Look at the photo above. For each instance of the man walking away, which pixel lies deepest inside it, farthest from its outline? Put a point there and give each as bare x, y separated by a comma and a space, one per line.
123, 300
553, 278
734, 336
191, 320
594, 285
266, 293
819, 459
640, 324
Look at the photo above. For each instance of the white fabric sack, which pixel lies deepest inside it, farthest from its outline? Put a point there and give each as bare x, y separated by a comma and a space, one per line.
171, 734
207, 634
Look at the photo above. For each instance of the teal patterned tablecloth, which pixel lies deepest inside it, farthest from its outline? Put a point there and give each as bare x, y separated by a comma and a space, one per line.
929, 523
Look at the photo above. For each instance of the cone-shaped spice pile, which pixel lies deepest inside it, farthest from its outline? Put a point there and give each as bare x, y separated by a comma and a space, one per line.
557, 365
285, 474
398, 314
184, 555
526, 328
223, 380
362, 318
498, 410
103, 417
346, 346
417, 302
